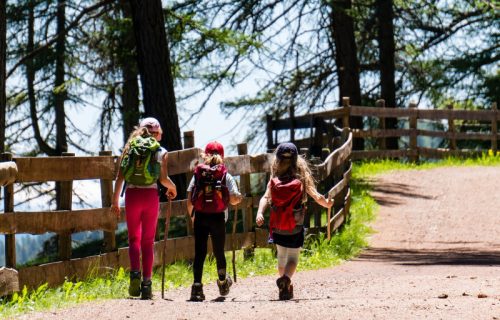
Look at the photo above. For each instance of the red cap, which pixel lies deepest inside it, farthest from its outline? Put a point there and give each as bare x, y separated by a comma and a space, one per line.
215, 147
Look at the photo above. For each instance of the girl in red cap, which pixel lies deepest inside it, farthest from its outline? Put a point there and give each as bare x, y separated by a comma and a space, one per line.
286, 193
210, 191
141, 199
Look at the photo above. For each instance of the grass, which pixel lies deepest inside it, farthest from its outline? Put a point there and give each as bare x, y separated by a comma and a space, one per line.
317, 253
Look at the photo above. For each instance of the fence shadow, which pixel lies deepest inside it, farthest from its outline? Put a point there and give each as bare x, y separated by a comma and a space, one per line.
423, 257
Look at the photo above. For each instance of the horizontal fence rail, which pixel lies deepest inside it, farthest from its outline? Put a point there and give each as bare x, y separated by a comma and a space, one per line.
333, 173
457, 126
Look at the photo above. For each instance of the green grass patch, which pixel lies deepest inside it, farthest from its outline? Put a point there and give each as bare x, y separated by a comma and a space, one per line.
318, 252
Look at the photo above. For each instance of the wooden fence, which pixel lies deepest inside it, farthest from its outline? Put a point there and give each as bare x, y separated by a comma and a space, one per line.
334, 173
459, 124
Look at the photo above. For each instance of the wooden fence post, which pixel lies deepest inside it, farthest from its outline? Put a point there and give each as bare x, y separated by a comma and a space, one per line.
246, 209
382, 145
106, 200
451, 128
64, 193
347, 112
494, 129
413, 132
10, 239
189, 143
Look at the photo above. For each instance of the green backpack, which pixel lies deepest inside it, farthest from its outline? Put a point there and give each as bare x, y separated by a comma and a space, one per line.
139, 165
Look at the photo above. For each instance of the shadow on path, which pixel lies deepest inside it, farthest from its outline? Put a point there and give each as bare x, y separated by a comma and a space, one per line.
422, 257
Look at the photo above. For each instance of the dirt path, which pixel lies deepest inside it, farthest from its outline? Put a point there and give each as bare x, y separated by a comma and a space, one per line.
436, 255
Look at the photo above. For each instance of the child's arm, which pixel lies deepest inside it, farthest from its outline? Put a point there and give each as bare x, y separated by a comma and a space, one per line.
165, 179
234, 194
319, 198
115, 202
263, 203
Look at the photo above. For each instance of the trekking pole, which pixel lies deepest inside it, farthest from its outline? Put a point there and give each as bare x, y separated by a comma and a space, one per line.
164, 253
235, 220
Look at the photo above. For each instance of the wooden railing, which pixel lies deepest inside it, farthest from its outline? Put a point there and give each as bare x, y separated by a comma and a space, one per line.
334, 173
322, 125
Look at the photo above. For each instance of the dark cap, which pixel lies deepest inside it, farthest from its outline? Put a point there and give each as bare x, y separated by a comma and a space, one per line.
286, 150
215, 147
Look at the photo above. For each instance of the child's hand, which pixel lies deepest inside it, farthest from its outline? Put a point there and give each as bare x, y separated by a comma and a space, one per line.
259, 220
115, 209
328, 203
171, 193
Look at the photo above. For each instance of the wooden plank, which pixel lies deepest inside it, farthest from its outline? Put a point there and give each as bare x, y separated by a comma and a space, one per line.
65, 168
9, 281
381, 113
8, 173
57, 221
261, 238
10, 239
334, 159
431, 114
443, 153
485, 136
182, 161
372, 154
341, 184
378, 133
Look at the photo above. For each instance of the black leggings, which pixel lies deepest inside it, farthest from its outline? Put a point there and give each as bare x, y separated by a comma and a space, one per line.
212, 224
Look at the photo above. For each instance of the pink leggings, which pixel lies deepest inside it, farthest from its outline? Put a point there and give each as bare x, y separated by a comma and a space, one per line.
141, 207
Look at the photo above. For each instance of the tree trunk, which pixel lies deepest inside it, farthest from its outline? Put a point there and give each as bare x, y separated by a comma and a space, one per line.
3, 58
130, 95
30, 80
385, 37
153, 59
60, 92
346, 59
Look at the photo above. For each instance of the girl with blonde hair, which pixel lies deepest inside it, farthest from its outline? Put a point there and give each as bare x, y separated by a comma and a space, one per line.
286, 194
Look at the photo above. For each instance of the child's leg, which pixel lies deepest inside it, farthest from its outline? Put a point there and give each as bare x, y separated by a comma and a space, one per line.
200, 245
218, 235
288, 259
133, 208
149, 219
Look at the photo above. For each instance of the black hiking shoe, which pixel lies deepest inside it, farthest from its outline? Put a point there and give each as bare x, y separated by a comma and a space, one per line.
134, 289
146, 290
197, 292
285, 288
224, 285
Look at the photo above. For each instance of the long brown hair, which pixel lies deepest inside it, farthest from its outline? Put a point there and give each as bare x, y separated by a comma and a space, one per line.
295, 168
